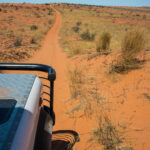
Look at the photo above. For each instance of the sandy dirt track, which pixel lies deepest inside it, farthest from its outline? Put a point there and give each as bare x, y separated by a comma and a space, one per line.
51, 54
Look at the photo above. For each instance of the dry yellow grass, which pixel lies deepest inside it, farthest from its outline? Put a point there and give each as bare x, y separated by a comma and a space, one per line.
104, 42
133, 45
97, 20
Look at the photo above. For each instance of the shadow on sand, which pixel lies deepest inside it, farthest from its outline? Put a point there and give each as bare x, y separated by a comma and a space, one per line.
64, 139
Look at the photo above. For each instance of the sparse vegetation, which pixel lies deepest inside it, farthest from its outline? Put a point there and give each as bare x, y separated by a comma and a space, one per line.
18, 41
104, 42
84, 96
76, 29
121, 66
116, 21
34, 27
33, 41
50, 21
97, 21
13, 55
76, 77
107, 134
50, 13
78, 23
144, 17
87, 35
76, 50
37, 15
78, 93
18, 30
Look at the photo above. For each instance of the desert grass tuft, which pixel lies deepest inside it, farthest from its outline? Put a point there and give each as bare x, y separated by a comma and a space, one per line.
76, 50
84, 94
76, 77
106, 133
103, 43
133, 45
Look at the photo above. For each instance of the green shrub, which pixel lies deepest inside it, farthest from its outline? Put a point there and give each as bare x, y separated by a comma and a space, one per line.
104, 42
34, 27
75, 29
87, 36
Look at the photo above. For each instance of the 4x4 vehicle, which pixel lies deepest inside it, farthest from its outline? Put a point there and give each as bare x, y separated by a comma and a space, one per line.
25, 123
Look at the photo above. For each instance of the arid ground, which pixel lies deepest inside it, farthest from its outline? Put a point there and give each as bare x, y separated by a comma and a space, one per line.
95, 108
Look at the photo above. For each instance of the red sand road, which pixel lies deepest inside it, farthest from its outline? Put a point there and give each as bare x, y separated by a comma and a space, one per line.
51, 54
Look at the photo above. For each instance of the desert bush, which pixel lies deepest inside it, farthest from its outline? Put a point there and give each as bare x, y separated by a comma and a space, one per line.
16, 8
50, 13
5, 11
37, 15
50, 21
13, 55
78, 23
34, 27
20, 55
144, 17
122, 66
33, 41
87, 36
133, 44
104, 42
75, 29
18, 41
86, 24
